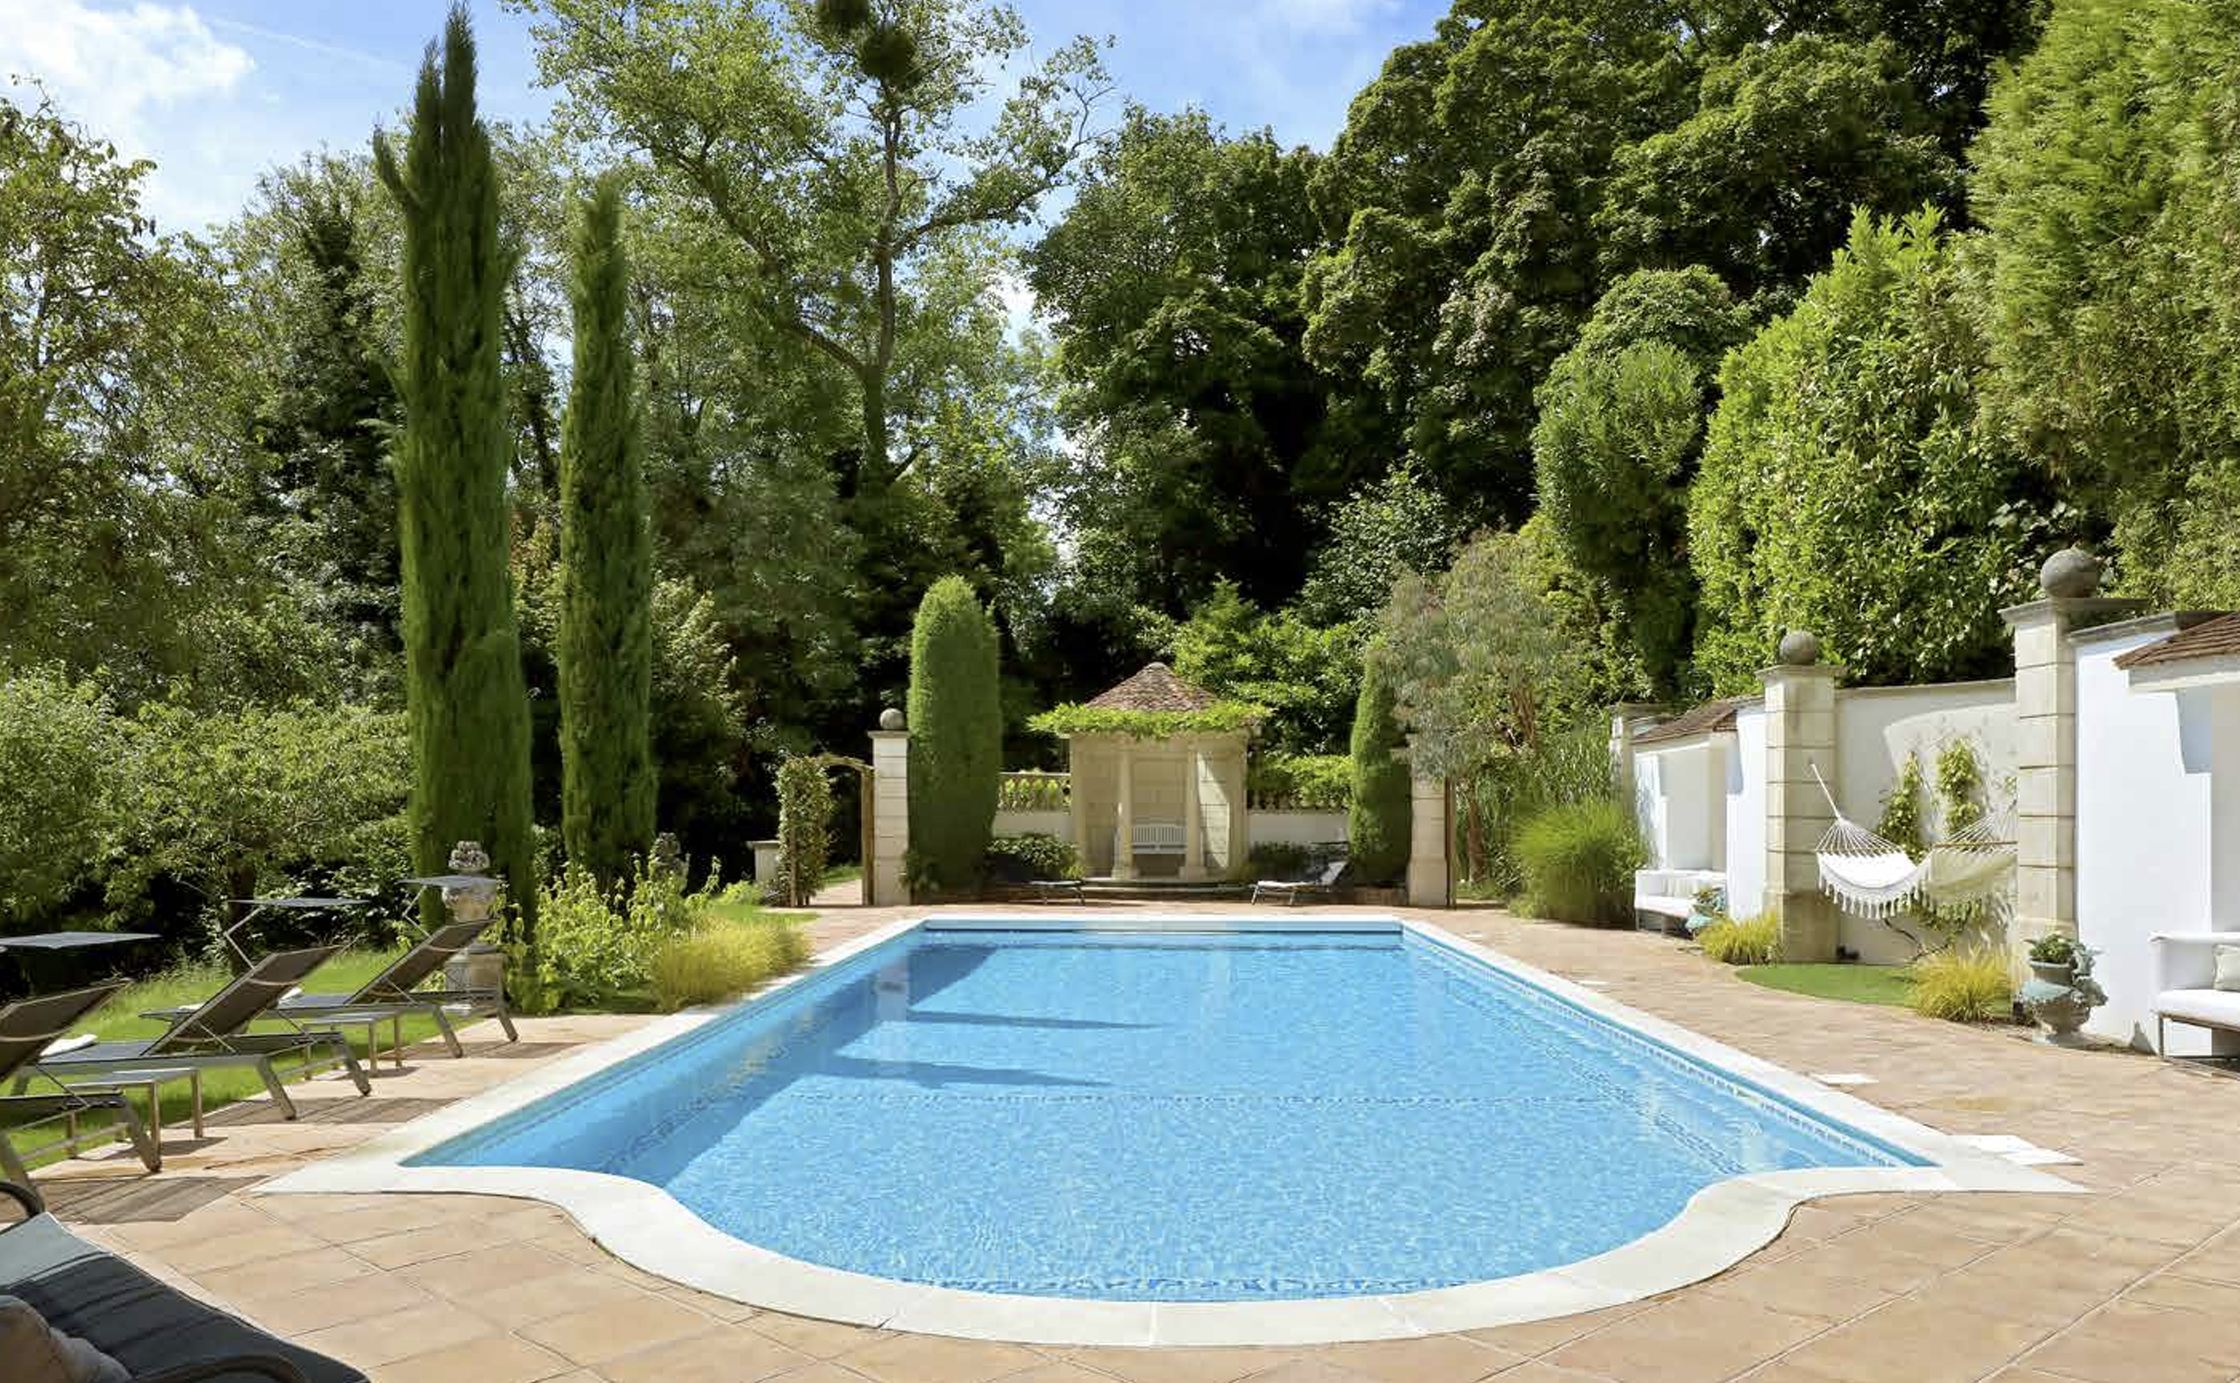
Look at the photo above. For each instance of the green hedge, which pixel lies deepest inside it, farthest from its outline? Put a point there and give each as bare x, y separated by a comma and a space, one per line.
1309, 782
956, 736
1377, 818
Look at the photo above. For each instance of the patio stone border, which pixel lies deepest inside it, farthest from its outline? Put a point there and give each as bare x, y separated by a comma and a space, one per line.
646, 1227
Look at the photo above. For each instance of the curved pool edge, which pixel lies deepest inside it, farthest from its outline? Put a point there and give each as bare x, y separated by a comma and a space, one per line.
646, 1227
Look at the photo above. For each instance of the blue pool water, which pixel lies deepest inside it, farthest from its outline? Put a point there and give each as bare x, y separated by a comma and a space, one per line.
1158, 1117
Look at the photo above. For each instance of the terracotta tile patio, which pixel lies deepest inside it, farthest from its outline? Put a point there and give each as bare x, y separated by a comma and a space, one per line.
2135, 1283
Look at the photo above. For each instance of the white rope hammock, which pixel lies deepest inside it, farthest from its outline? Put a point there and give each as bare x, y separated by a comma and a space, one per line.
1872, 877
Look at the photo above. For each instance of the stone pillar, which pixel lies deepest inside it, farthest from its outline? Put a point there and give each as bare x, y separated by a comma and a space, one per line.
886, 883
1193, 814
1800, 736
2045, 722
1077, 807
1124, 814
1430, 882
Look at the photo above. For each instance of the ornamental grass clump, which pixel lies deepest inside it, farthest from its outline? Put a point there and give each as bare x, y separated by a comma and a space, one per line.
723, 959
1743, 940
1578, 862
1972, 986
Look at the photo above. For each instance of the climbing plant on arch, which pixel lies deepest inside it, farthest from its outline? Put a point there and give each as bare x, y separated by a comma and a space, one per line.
805, 822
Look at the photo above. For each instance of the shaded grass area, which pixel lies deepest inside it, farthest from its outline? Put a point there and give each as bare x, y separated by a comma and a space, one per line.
1858, 984
191, 984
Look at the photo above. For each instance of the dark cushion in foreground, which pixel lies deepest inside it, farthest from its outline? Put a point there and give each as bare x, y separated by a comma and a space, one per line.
142, 1324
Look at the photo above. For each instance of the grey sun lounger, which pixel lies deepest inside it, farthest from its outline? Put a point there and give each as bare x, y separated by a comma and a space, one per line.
395, 994
214, 1036
26, 1027
1291, 889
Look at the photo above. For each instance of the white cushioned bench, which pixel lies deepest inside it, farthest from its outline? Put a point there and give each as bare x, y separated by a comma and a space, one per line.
1154, 838
1672, 892
2185, 972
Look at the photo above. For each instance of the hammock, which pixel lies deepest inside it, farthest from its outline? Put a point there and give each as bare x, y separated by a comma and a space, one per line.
1871, 877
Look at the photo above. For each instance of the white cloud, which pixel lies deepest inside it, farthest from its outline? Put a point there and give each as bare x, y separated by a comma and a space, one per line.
134, 75
113, 67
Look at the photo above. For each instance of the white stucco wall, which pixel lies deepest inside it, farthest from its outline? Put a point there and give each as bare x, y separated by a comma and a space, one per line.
1876, 727
2152, 769
1297, 827
1649, 807
1745, 801
1057, 823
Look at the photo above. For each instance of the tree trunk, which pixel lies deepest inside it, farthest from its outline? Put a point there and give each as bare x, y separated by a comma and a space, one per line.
1473, 832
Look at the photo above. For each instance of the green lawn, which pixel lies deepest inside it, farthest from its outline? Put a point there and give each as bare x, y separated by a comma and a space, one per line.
120, 1018
1858, 984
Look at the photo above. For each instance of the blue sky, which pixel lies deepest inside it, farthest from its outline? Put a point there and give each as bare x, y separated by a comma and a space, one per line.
218, 90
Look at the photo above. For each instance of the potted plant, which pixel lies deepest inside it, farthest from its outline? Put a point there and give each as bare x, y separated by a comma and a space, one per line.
2061, 992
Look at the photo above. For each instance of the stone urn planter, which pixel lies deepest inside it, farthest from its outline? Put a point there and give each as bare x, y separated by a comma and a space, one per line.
2061, 993
471, 895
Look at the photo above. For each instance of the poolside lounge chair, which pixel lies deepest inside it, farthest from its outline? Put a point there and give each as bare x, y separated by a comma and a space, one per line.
156, 1333
1290, 890
26, 1027
395, 994
214, 1036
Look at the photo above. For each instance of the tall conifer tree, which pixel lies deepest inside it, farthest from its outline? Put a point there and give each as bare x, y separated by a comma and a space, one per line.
606, 569
468, 704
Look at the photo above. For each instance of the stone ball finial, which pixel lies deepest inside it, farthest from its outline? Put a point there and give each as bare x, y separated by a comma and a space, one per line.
1798, 648
468, 857
2070, 574
890, 719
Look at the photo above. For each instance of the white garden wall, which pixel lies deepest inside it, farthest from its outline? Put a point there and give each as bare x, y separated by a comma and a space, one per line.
1057, 822
1296, 827
1876, 727
1745, 805
2153, 769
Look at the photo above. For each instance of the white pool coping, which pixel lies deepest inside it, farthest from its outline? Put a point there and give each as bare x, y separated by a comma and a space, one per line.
646, 1227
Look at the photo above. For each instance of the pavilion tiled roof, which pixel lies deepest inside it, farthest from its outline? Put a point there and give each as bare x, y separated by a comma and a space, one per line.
1706, 719
1154, 688
2217, 638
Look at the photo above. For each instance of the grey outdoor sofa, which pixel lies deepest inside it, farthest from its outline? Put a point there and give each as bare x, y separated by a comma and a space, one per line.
157, 1334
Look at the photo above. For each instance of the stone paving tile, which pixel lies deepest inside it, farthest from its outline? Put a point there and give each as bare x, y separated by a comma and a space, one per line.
383, 1296
577, 1291
726, 1355
815, 1338
1697, 1341
935, 1359
1181, 1365
1916, 1340
1433, 1359
1057, 1371
2144, 1275
374, 1340
620, 1328
496, 1359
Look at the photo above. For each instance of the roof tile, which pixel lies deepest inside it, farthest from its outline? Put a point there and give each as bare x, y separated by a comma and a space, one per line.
2217, 638
1155, 688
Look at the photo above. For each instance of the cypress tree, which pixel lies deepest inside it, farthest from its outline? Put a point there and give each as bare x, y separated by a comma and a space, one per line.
1377, 819
956, 734
466, 701
605, 651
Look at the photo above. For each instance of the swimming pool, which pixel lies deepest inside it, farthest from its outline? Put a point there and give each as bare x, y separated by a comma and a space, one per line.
1239, 1116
